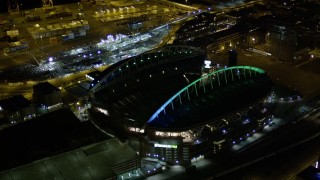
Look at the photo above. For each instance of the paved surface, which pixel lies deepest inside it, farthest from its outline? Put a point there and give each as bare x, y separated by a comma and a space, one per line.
40, 48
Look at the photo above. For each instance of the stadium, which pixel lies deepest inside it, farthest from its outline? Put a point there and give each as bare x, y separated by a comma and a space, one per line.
178, 112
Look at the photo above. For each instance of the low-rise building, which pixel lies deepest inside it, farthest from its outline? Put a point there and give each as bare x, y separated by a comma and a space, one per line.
47, 95
16, 108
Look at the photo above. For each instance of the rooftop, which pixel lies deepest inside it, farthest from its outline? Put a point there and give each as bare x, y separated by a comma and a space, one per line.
14, 103
45, 88
89, 162
44, 136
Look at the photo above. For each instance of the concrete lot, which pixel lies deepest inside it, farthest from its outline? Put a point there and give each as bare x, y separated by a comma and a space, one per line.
41, 48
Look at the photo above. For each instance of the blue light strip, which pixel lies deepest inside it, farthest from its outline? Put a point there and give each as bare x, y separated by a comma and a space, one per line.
194, 82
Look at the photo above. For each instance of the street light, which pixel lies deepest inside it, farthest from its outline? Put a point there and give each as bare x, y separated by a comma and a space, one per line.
41, 42
252, 42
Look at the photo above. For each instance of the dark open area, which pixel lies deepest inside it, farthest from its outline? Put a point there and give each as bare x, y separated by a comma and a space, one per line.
44, 136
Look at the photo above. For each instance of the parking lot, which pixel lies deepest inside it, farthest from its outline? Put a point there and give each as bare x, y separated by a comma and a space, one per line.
41, 48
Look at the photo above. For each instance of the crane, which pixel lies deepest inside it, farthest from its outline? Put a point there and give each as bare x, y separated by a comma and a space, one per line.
13, 6
47, 3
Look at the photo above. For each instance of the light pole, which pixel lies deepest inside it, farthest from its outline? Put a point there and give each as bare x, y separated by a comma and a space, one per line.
41, 42
252, 41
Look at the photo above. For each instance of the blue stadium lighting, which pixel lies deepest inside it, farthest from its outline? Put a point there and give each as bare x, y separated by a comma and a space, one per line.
224, 131
155, 115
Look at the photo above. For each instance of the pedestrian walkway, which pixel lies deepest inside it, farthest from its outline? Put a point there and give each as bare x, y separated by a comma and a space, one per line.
274, 124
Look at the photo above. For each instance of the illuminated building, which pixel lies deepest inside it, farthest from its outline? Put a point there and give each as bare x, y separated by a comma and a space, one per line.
179, 114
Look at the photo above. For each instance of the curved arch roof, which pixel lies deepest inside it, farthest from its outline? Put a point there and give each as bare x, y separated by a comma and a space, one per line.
185, 89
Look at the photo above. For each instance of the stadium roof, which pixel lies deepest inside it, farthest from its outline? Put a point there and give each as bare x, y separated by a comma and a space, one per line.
182, 111
211, 106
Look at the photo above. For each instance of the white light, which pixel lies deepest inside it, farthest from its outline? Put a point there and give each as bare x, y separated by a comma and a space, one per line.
103, 111
165, 145
207, 64
50, 59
